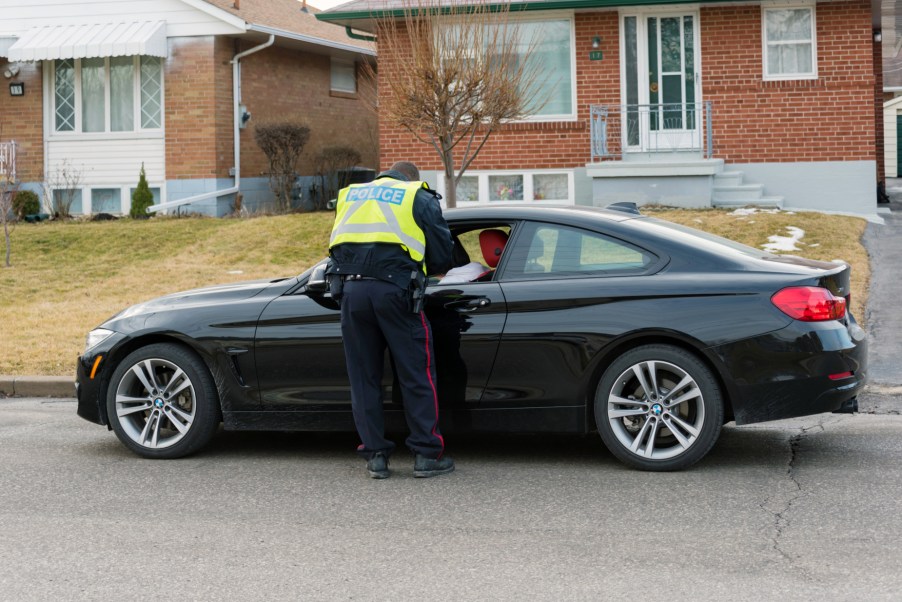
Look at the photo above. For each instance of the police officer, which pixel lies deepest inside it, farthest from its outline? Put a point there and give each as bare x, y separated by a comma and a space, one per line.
387, 235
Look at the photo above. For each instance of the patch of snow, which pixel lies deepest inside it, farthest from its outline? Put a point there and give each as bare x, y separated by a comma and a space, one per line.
753, 210
816, 244
236, 271
784, 243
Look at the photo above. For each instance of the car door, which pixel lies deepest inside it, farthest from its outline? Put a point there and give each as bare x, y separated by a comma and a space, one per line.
467, 320
559, 282
300, 357
301, 364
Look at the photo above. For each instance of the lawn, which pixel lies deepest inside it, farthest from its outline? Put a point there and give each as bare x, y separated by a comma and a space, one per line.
69, 277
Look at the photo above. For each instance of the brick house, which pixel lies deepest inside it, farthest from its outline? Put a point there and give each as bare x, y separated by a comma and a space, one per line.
100, 87
705, 103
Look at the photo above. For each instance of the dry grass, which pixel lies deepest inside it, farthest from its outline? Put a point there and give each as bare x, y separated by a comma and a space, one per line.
68, 278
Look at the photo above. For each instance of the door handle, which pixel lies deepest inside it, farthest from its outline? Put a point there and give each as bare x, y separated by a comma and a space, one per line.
469, 304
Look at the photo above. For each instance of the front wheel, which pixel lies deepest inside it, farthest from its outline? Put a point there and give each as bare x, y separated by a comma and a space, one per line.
162, 402
658, 407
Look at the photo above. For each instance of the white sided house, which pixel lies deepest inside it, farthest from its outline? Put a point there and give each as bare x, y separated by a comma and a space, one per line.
99, 88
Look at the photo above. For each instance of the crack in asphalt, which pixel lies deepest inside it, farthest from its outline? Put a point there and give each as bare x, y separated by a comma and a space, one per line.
781, 518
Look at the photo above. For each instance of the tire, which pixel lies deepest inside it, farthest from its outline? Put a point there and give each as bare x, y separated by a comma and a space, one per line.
658, 407
162, 402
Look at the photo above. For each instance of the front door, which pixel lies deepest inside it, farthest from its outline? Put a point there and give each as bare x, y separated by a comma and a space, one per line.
661, 87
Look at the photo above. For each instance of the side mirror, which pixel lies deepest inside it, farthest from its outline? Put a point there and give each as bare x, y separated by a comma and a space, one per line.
317, 283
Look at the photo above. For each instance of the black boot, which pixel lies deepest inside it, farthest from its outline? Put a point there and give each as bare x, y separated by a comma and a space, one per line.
377, 466
424, 467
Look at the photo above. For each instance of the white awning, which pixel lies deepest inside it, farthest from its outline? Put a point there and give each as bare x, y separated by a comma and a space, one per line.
5, 43
91, 40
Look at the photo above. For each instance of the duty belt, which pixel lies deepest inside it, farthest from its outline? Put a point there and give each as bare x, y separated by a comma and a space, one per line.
358, 277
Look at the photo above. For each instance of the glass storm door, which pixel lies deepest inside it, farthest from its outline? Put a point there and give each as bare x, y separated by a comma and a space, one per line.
661, 88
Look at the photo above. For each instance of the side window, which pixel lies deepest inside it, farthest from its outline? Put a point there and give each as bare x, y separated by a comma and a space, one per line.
546, 250
477, 252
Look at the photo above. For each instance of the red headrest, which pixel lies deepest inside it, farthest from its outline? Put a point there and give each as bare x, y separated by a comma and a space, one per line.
492, 244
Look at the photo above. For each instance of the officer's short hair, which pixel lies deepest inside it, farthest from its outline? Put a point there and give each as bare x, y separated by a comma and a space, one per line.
407, 169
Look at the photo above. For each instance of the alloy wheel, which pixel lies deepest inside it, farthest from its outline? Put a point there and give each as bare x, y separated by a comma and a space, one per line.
656, 410
155, 403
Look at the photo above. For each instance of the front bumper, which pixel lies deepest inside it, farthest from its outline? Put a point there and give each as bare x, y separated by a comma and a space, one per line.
787, 373
93, 371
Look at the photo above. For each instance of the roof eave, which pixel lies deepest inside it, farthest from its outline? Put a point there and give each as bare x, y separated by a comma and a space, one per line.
364, 20
310, 39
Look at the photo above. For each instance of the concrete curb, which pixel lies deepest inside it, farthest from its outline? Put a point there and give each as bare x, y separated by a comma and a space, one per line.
37, 386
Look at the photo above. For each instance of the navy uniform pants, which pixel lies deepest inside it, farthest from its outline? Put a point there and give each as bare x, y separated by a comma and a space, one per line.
375, 315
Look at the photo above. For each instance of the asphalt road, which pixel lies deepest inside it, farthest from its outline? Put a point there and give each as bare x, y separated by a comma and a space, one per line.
794, 510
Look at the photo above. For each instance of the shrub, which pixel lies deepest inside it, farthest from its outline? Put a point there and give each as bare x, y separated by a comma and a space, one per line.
142, 198
25, 203
282, 144
334, 164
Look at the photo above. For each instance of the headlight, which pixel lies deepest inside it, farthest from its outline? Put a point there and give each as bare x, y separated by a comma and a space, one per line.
96, 337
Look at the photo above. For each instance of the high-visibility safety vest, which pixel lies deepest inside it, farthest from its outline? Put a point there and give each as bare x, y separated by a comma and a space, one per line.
380, 211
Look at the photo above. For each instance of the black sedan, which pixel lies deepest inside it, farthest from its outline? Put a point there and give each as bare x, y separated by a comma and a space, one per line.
652, 334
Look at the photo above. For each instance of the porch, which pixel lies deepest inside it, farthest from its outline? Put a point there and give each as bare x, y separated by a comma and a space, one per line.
664, 154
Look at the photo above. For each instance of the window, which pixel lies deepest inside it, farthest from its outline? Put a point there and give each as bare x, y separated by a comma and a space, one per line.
546, 46
551, 53
116, 94
70, 197
468, 189
506, 188
526, 186
548, 250
790, 49
106, 200
344, 76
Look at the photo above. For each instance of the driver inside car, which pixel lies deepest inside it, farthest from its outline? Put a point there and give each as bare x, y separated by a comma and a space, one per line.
491, 242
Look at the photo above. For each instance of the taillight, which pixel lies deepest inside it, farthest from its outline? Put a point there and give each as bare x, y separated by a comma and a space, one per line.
809, 303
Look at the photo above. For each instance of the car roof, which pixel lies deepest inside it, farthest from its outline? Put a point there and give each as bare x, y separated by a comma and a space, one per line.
563, 213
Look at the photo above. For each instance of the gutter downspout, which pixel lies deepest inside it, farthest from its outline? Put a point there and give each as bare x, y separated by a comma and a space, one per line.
236, 118
236, 100
357, 36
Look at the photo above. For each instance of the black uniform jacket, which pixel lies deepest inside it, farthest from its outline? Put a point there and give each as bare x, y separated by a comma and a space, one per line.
390, 262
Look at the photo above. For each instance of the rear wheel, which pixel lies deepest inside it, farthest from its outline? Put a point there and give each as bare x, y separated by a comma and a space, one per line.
658, 407
162, 402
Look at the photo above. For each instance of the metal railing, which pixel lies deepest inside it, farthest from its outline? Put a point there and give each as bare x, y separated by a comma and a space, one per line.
653, 128
8, 160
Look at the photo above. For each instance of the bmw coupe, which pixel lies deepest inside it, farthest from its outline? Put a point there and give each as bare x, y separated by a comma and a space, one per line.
584, 320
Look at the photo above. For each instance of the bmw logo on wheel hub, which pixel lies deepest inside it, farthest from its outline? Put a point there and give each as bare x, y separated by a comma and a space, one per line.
657, 410
158, 403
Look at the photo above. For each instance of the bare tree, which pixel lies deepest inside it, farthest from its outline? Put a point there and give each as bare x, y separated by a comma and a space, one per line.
8, 190
61, 186
455, 73
9, 186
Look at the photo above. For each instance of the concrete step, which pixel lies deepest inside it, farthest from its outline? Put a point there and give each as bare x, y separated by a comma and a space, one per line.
728, 178
768, 202
740, 192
